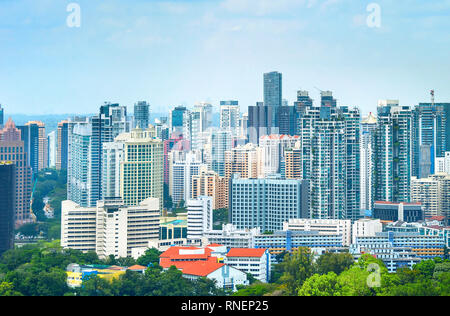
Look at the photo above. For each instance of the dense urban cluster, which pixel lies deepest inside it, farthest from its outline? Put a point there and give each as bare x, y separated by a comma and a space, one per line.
284, 199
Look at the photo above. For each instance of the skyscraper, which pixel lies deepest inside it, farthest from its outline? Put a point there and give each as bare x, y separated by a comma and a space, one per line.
428, 139
111, 121
229, 116
267, 203
7, 205
12, 150
52, 149
63, 145
141, 172
80, 187
220, 143
368, 127
273, 89
183, 167
272, 151
36, 145
327, 99
330, 160
141, 114
2, 116
392, 158
178, 118
261, 121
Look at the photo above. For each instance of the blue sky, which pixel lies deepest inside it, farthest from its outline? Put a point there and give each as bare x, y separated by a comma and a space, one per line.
180, 52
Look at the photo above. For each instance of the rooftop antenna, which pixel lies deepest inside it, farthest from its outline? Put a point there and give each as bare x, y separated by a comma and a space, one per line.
432, 97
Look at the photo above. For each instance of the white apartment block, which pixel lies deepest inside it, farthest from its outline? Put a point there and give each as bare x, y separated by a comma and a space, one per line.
255, 261
110, 228
323, 226
433, 192
272, 151
200, 218
183, 167
229, 116
113, 156
366, 228
231, 237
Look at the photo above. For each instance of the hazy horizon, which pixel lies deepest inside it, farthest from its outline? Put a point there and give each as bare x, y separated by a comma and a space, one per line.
175, 52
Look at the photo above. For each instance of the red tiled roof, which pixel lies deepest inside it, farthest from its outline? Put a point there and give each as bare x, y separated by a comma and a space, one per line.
246, 252
197, 268
174, 253
214, 245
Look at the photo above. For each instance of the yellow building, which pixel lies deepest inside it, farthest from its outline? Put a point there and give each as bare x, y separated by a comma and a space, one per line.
141, 172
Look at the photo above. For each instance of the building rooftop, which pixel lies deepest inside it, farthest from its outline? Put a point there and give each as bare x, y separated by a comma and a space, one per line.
246, 252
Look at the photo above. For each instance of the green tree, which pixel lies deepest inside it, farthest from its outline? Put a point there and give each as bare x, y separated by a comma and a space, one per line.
150, 257
296, 268
334, 262
321, 285
7, 289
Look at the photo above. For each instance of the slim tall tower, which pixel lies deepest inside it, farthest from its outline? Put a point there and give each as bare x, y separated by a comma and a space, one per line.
393, 152
368, 128
7, 205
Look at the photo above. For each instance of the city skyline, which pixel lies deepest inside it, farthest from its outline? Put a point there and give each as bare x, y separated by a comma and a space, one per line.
178, 53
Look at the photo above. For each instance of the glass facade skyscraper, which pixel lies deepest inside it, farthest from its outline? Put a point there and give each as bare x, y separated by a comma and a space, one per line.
141, 115
7, 201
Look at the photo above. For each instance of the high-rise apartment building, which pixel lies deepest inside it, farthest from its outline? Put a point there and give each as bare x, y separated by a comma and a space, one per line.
261, 121
272, 148
2, 116
141, 172
7, 205
267, 203
200, 218
141, 114
108, 124
80, 175
113, 156
331, 160
63, 145
209, 183
220, 143
12, 150
428, 138
52, 148
368, 127
392, 159
35, 140
293, 162
229, 116
179, 118
327, 100
183, 167
433, 193
243, 160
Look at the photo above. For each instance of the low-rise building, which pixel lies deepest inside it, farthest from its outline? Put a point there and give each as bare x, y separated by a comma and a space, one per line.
111, 228
323, 226
231, 237
209, 262
253, 261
